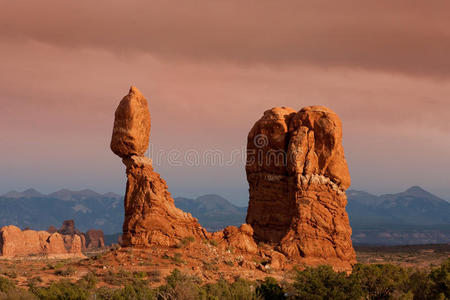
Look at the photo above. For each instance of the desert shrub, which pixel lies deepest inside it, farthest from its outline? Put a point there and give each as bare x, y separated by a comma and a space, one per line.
154, 275
185, 241
6, 285
88, 281
69, 271
139, 274
419, 285
56, 265
238, 290
382, 281
323, 283
177, 258
210, 242
137, 290
270, 290
17, 294
210, 265
120, 278
440, 281
9, 291
62, 290
179, 286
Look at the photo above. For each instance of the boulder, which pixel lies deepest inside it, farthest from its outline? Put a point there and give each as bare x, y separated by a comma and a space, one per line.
131, 130
237, 238
297, 176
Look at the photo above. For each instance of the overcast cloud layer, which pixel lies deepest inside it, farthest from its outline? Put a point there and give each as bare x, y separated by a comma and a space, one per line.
209, 70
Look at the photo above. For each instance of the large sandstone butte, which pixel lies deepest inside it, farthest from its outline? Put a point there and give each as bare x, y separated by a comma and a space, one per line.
151, 217
297, 176
17, 243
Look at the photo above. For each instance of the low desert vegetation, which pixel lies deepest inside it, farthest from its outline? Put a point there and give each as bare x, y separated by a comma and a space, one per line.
371, 281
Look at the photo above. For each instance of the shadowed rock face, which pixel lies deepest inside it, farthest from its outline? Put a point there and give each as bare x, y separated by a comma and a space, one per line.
298, 175
151, 217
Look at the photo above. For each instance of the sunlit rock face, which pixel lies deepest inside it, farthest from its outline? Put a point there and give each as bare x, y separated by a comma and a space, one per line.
297, 176
15, 243
132, 124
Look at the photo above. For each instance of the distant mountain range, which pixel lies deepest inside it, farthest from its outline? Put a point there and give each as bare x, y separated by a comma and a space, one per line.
415, 206
414, 216
213, 211
411, 217
89, 209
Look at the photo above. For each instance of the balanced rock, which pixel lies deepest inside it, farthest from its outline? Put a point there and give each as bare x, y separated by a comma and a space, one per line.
297, 176
17, 243
131, 125
151, 217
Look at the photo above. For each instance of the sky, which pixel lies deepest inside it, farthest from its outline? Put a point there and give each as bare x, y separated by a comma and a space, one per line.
209, 70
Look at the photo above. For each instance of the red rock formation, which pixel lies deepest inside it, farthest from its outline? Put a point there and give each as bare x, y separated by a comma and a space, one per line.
151, 217
52, 229
68, 228
95, 239
298, 175
237, 238
17, 243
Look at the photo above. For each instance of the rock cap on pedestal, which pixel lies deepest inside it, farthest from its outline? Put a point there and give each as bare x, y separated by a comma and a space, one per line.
131, 130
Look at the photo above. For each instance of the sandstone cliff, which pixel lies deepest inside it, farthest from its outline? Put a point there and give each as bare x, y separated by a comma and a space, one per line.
17, 243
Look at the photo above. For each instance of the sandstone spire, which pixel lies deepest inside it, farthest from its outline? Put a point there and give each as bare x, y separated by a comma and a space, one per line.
298, 175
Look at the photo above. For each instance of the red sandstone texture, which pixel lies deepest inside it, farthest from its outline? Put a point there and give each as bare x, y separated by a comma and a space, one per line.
298, 175
131, 125
17, 243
